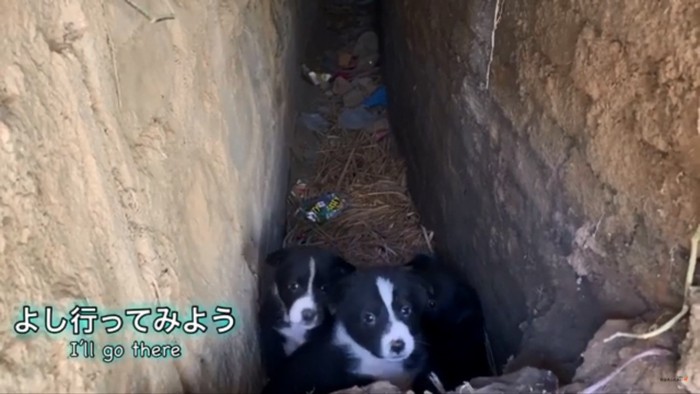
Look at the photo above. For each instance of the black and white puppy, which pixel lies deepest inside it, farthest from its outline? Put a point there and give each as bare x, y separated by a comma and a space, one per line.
294, 309
376, 336
452, 324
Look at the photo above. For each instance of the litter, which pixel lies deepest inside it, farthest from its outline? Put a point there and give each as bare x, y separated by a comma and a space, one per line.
314, 122
325, 110
341, 86
353, 98
376, 99
314, 77
300, 190
323, 208
356, 118
367, 45
344, 74
346, 60
380, 129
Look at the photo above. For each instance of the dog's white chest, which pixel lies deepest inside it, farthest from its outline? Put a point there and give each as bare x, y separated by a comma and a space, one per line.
294, 336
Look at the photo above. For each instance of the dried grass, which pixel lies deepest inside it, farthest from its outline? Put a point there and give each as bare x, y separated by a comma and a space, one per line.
379, 225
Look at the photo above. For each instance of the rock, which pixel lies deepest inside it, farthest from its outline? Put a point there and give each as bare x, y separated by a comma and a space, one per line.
653, 374
366, 63
367, 45
341, 86
367, 51
366, 84
353, 98
525, 380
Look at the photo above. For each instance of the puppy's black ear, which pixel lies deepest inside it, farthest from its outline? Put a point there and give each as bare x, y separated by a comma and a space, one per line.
466, 298
420, 262
277, 257
422, 292
342, 267
335, 295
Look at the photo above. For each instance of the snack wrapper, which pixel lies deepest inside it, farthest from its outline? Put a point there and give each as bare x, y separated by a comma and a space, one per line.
323, 208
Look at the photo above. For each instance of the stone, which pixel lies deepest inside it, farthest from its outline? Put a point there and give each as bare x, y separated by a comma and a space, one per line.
341, 86
353, 98
525, 380
366, 84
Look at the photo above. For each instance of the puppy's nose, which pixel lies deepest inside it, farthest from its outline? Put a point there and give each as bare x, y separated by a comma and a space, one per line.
308, 315
397, 346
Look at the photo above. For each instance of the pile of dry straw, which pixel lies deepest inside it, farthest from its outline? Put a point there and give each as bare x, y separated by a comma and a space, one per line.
379, 224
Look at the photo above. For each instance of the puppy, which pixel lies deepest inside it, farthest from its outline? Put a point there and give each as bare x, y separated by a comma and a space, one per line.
452, 325
376, 335
294, 307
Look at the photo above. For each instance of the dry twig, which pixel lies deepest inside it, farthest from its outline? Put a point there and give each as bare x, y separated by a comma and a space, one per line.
496, 20
601, 383
379, 225
147, 16
686, 290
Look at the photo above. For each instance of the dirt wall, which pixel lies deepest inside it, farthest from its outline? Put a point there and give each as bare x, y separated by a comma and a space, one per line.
140, 164
555, 156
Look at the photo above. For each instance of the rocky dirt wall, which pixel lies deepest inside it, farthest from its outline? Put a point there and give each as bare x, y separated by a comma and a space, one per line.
560, 166
141, 163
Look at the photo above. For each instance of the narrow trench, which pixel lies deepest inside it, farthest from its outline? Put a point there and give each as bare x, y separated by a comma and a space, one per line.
343, 149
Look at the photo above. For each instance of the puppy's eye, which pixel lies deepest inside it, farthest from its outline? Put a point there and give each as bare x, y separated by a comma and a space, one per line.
294, 286
323, 288
405, 310
431, 303
368, 318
